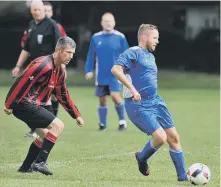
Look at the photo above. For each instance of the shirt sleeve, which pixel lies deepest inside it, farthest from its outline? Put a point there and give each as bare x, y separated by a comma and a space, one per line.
57, 33
24, 39
124, 44
61, 93
124, 60
26, 46
61, 29
24, 83
90, 57
29, 31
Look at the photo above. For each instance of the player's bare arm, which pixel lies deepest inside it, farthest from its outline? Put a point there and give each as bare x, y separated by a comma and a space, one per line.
118, 71
22, 58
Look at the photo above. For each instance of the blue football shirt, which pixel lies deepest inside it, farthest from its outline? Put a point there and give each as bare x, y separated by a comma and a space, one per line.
141, 70
104, 50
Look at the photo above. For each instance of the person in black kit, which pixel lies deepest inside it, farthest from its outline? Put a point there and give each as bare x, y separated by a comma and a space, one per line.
42, 36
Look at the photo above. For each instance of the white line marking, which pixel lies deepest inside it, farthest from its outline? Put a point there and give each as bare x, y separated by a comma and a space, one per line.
60, 163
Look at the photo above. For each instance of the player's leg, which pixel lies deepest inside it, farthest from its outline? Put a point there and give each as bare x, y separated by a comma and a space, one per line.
38, 117
50, 108
145, 119
33, 151
115, 89
36, 145
176, 153
101, 93
159, 137
173, 140
55, 129
119, 106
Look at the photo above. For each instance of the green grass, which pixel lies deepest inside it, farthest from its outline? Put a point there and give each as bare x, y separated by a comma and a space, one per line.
86, 157
167, 79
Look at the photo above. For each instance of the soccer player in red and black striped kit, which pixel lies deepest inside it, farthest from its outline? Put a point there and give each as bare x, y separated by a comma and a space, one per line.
28, 101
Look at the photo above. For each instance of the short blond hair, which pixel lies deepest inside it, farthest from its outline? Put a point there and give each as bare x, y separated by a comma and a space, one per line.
145, 28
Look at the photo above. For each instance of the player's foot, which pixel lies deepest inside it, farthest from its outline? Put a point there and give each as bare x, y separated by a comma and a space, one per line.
182, 178
143, 166
102, 127
31, 134
24, 170
42, 168
122, 125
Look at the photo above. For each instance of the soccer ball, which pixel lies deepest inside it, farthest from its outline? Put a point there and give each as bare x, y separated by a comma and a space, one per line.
198, 174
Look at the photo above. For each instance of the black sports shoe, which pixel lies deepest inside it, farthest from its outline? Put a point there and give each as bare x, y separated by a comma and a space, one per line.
41, 167
143, 166
23, 170
101, 128
122, 128
182, 178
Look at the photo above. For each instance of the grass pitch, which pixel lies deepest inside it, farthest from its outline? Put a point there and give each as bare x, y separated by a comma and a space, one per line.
86, 157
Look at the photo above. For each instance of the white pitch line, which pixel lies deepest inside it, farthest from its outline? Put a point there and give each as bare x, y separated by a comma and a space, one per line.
67, 163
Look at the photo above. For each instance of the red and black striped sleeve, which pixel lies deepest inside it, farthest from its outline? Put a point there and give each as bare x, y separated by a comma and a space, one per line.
61, 29
61, 93
28, 78
24, 39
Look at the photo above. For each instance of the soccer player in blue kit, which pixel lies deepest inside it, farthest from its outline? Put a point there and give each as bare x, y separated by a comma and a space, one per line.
105, 48
137, 70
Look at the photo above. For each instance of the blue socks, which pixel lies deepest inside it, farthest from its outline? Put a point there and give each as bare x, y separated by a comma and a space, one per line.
178, 160
102, 112
176, 156
147, 151
120, 111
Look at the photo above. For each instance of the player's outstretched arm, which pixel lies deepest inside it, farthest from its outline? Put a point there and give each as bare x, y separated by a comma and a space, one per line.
25, 82
22, 58
118, 71
90, 61
61, 93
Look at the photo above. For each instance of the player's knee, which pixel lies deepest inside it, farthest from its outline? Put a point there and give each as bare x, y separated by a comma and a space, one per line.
103, 100
60, 126
159, 136
174, 138
116, 98
162, 139
57, 125
41, 132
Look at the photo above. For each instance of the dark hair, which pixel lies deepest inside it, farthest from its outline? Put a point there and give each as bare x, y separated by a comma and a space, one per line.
48, 4
64, 41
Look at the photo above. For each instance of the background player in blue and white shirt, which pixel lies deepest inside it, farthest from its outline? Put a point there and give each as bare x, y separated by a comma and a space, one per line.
105, 48
145, 108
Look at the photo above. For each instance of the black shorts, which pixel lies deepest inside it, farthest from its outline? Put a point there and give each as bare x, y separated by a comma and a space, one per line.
33, 115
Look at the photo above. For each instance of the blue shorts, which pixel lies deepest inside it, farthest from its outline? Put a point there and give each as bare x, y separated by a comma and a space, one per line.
102, 90
149, 115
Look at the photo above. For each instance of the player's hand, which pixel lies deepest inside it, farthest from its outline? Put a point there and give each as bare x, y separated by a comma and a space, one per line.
79, 121
89, 75
136, 95
8, 111
15, 72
